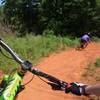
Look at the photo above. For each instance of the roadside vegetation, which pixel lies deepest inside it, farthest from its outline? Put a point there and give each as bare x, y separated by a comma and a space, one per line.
92, 75
92, 72
34, 48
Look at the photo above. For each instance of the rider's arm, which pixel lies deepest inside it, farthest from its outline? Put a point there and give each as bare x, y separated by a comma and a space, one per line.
93, 89
83, 89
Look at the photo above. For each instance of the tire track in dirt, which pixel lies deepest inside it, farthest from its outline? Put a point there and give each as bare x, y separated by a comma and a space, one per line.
68, 66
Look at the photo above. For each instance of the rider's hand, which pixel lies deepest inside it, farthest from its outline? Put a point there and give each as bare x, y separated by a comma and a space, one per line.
76, 88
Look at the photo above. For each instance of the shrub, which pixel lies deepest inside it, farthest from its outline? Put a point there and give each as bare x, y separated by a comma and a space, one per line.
97, 63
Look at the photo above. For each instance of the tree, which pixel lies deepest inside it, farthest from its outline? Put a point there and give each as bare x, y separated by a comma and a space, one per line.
63, 17
21, 15
69, 16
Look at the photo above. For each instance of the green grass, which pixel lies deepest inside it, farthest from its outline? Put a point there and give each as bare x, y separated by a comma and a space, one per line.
92, 72
95, 39
92, 75
34, 48
97, 63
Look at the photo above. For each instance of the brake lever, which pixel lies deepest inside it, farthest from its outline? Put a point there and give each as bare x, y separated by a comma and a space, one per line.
61, 86
54, 86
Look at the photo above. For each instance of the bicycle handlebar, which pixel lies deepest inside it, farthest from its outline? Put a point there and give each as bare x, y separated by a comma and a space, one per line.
8, 49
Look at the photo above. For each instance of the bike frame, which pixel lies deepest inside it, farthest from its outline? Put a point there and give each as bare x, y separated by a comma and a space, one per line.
12, 88
13, 85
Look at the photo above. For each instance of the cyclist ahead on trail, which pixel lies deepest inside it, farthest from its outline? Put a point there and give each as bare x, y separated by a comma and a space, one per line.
85, 37
84, 40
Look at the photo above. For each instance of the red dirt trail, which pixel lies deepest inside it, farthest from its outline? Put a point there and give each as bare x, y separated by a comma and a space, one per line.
67, 66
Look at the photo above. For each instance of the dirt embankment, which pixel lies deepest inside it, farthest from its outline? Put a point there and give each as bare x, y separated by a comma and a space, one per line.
68, 66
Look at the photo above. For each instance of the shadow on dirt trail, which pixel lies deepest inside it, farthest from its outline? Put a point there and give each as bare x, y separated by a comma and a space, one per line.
68, 66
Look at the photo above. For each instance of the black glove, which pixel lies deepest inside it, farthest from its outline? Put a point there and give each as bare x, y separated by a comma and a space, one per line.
54, 86
60, 86
76, 88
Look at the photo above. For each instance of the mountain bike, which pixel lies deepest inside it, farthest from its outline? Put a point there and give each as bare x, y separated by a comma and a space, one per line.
11, 86
82, 46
